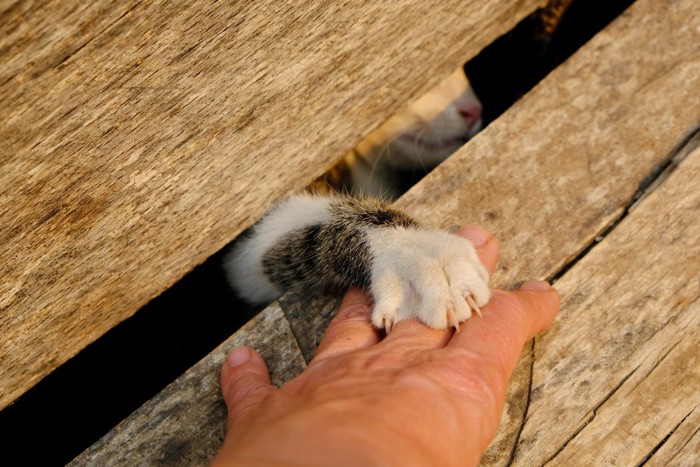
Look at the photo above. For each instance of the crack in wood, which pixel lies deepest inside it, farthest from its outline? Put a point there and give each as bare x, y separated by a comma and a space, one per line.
646, 186
187, 51
666, 438
667, 166
293, 329
592, 416
663, 357
692, 435
204, 42
511, 457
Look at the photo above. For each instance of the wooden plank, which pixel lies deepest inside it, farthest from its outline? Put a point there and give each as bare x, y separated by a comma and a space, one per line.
561, 166
171, 127
620, 370
308, 319
185, 423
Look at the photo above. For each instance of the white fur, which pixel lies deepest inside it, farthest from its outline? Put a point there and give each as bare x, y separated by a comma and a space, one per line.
243, 264
422, 274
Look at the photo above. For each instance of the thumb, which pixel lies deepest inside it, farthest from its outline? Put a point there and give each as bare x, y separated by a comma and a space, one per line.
245, 381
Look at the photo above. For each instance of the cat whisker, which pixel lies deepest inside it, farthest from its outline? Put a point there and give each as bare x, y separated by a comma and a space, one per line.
384, 150
419, 150
388, 325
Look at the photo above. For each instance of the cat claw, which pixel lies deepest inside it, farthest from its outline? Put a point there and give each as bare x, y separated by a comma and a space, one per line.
432, 276
472, 304
452, 319
388, 325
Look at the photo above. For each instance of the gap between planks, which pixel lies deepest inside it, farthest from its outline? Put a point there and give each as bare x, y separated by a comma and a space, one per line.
650, 183
132, 148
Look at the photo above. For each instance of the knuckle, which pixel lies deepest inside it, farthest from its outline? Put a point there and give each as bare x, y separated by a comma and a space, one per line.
511, 303
242, 389
379, 361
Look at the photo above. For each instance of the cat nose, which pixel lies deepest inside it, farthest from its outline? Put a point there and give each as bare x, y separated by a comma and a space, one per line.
470, 113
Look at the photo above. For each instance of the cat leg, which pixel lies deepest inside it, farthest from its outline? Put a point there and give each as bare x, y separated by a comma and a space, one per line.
243, 264
311, 243
326, 251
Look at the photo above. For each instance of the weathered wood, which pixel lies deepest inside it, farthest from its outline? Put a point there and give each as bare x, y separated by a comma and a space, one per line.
36, 37
562, 163
620, 370
501, 447
682, 447
308, 319
131, 153
561, 166
185, 423
536, 153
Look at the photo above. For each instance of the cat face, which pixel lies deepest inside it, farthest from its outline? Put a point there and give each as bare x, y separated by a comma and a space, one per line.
428, 130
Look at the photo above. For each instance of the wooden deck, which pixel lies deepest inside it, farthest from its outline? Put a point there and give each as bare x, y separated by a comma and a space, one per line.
591, 180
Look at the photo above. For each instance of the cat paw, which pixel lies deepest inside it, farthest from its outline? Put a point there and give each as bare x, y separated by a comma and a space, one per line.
432, 276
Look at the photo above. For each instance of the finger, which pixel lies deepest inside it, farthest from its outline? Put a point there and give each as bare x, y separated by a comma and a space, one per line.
546, 313
485, 244
245, 381
521, 313
351, 328
414, 334
511, 318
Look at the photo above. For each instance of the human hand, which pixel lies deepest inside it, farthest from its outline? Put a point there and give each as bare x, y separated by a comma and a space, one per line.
418, 396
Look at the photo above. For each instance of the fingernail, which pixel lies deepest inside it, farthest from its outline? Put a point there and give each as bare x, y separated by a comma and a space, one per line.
476, 235
238, 356
535, 285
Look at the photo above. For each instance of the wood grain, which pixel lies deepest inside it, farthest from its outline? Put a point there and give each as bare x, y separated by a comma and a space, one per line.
563, 162
620, 370
138, 139
682, 446
36, 37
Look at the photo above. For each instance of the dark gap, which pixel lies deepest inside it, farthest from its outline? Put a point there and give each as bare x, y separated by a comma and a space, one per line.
83, 399
511, 66
514, 448
661, 443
